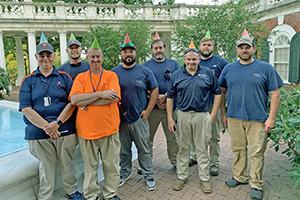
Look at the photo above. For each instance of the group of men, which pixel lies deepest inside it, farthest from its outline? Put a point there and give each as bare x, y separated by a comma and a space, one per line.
126, 104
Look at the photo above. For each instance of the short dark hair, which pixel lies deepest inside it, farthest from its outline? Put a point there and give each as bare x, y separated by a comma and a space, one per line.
205, 39
158, 40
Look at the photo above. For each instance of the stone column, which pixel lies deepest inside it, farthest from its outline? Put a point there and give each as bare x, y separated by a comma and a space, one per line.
33, 64
63, 46
20, 60
91, 10
2, 54
120, 11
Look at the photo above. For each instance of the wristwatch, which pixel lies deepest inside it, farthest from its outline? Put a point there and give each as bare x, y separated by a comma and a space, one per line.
59, 122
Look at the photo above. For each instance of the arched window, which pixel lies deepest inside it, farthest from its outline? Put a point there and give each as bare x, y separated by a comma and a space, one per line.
280, 39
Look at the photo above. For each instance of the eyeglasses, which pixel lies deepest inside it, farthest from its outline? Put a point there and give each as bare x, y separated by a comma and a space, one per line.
42, 56
189, 50
130, 44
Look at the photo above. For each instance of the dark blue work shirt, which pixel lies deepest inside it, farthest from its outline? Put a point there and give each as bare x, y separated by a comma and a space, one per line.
134, 83
193, 91
163, 72
73, 70
215, 63
32, 93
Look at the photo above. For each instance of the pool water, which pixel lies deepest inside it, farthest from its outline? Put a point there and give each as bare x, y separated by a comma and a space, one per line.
12, 131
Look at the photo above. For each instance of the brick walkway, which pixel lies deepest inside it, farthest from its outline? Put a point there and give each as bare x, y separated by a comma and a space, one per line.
277, 182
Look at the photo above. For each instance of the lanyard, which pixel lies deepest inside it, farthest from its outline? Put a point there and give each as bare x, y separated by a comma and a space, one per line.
46, 88
98, 82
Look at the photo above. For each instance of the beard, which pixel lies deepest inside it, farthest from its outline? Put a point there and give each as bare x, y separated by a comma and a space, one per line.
206, 55
129, 62
245, 57
192, 67
159, 56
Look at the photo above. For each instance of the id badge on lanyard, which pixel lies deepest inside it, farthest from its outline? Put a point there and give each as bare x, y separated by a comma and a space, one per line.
47, 98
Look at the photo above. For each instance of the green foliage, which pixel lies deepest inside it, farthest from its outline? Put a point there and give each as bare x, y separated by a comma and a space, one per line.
12, 67
4, 82
9, 44
225, 22
287, 129
110, 39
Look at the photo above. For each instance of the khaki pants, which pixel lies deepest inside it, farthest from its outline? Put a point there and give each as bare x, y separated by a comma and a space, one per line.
109, 150
154, 120
48, 151
214, 147
251, 134
193, 126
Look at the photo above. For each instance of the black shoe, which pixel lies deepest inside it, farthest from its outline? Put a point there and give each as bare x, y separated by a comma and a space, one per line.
192, 162
231, 182
139, 171
256, 193
75, 196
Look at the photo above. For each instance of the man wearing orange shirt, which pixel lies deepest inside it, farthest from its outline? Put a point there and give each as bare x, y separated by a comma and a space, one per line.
96, 93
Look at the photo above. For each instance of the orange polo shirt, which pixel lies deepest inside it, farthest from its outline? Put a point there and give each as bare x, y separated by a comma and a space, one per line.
97, 121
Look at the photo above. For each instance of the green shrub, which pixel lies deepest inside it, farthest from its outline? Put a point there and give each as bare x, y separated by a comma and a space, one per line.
287, 129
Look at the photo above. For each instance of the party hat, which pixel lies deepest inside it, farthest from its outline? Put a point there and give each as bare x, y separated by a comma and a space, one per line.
95, 45
207, 34
245, 39
127, 43
127, 39
43, 39
245, 33
72, 37
156, 36
192, 46
44, 45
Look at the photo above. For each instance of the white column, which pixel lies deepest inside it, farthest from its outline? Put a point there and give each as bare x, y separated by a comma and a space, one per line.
33, 64
2, 54
63, 46
20, 60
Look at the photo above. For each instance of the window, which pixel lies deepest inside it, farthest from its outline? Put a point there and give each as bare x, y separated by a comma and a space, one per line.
281, 57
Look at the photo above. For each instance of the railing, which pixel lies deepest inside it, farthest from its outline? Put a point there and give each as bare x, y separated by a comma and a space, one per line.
91, 10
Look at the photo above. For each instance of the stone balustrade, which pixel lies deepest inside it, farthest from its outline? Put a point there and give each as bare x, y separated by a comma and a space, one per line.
90, 10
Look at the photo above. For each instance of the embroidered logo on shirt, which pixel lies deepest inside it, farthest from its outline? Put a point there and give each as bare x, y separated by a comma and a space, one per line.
202, 75
58, 83
214, 66
257, 75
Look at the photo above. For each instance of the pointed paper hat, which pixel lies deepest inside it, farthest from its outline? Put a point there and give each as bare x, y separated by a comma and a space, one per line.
127, 42
192, 46
44, 45
245, 33
156, 36
72, 37
95, 45
207, 35
245, 39
43, 39
73, 41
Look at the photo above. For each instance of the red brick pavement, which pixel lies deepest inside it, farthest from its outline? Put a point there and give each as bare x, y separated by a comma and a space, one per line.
278, 184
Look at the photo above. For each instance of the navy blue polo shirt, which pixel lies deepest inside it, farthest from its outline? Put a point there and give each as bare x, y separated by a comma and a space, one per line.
215, 63
32, 93
134, 83
73, 70
193, 91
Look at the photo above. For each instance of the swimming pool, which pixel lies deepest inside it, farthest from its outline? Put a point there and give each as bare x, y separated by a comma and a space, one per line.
12, 131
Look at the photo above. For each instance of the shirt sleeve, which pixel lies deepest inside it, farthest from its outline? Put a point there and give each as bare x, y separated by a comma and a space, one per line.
152, 82
25, 99
222, 80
